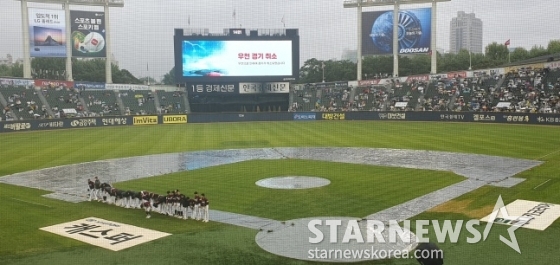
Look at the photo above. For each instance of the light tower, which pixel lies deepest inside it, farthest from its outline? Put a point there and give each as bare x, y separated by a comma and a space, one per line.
66, 5
359, 4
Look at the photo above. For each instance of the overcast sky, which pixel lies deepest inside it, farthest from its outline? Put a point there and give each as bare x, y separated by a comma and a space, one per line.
142, 31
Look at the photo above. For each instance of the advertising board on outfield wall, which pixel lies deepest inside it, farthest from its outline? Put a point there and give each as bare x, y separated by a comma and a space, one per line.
431, 116
145, 120
333, 116
305, 116
174, 119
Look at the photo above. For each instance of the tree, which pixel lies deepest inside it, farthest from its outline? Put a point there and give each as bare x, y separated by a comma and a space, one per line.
89, 70
377, 65
82, 70
553, 47
498, 53
5, 70
169, 78
311, 71
13, 70
421, 64
405, 66
519, 54
537, 51
344, 70
479, 61
17, 70
453, 62
123, 76
334, 70
147, 80
49, 68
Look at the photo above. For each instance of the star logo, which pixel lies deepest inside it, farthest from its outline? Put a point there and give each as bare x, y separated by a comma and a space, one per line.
500, 208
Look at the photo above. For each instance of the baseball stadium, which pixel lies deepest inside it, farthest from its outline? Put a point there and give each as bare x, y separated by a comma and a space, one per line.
251, 151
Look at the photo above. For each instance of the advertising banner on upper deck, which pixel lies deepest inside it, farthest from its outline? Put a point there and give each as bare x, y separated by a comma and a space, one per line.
414, 31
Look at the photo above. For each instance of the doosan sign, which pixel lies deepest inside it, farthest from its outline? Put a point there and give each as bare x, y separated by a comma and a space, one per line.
415, 50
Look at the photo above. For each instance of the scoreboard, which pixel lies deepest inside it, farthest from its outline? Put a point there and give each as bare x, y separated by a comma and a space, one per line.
236, 62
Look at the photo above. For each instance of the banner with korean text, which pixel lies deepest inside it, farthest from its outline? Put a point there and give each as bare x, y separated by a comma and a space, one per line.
106, 234
47, 32
88, 33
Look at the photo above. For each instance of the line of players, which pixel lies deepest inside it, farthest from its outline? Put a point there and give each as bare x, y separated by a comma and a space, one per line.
172, 204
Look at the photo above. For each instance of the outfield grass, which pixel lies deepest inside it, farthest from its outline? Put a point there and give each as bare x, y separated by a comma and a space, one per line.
24, 211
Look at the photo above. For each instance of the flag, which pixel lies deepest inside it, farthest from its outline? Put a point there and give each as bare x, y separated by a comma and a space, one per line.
233, 15
189, 21
323, 65
283, 22
147, 67
507, 42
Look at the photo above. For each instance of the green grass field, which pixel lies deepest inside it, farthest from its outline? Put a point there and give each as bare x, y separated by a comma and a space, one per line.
231, 188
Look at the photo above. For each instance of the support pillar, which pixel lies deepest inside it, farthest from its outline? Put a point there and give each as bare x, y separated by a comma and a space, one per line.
108, 57
359, 51
396, 39
68, 42
26, 44
433, 40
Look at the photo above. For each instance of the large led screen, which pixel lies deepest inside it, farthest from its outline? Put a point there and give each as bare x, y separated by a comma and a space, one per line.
236, 58
414, 31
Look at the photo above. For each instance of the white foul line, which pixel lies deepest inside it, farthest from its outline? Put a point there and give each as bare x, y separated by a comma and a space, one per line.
541, 184
553, 152
31, 202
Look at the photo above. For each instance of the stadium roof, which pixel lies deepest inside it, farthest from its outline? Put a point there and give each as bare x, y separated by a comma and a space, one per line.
540, 59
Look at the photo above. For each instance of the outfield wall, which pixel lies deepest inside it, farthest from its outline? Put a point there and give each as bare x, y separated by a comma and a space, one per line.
475, 117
